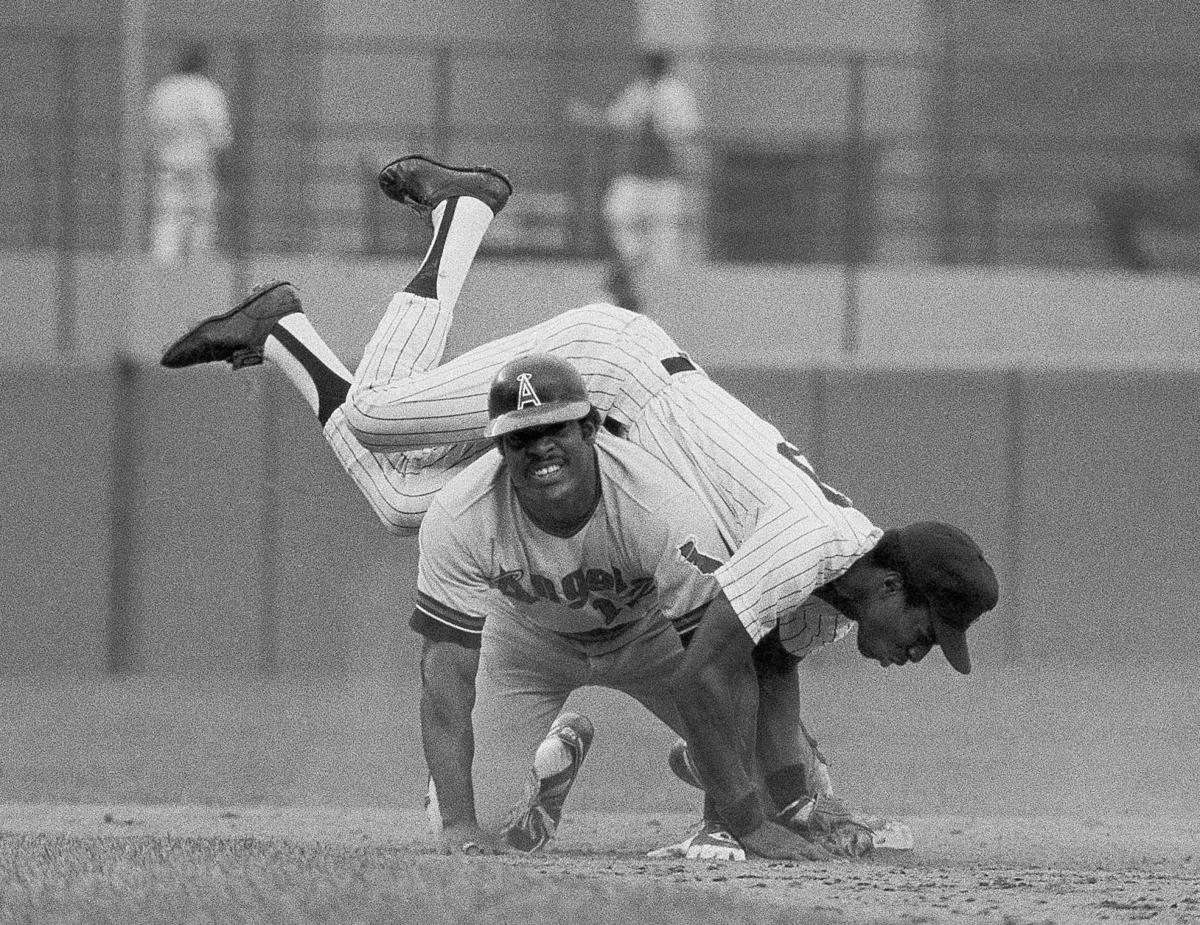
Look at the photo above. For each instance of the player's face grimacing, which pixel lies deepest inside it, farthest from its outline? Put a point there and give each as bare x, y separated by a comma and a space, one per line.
553, 470
892, 632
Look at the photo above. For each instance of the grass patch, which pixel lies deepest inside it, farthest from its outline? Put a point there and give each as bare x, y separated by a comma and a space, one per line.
66, 879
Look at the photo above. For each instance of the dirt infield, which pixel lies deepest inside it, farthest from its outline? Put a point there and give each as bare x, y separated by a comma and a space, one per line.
1034, 796
1009, 871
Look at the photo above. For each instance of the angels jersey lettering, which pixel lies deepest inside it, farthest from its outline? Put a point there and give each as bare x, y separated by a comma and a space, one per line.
608, 592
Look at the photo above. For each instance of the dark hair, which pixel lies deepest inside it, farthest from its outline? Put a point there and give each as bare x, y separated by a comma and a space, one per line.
888, 553
193, 58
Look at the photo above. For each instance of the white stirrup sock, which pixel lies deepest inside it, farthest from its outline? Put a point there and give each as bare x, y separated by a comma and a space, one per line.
309, 364
469, 224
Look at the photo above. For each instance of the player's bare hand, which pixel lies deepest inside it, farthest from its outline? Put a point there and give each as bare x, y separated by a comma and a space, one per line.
773, 841
469, 840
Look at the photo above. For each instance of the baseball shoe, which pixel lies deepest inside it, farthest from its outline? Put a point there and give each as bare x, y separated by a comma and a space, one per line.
422, 183
711, 843
238, 335
826, 821
533, 822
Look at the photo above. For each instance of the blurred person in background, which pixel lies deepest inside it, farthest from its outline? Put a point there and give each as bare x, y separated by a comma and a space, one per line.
654, 123
189, 127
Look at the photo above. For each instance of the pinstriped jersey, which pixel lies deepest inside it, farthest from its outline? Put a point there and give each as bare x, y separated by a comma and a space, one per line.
617, 352
649, 550
791, 534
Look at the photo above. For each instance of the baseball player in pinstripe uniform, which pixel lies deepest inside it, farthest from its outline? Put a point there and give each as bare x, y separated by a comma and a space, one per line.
807, 565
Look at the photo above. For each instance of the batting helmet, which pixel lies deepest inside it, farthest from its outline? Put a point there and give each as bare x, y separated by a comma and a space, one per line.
534, 390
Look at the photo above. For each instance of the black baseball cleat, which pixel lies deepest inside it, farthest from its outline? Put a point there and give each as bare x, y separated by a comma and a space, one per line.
421, 183
238, 335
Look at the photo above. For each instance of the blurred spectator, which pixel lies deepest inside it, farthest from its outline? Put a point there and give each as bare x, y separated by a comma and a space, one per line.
654, 121
188, 120
1129, 212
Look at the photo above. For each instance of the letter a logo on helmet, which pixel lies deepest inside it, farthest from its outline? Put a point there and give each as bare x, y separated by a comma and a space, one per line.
525, 392
535, 390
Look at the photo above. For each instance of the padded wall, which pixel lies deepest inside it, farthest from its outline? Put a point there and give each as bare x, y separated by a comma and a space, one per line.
56, 510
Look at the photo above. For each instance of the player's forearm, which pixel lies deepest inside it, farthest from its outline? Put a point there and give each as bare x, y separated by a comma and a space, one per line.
709, 704
447, 699
718, 697
778, 743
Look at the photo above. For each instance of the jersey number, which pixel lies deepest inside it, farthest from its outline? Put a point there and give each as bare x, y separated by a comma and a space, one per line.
796, 458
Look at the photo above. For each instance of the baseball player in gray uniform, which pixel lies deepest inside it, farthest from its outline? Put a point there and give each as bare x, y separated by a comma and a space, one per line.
567, 548
404, 423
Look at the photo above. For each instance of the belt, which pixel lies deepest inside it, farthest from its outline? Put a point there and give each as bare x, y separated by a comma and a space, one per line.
678, 364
